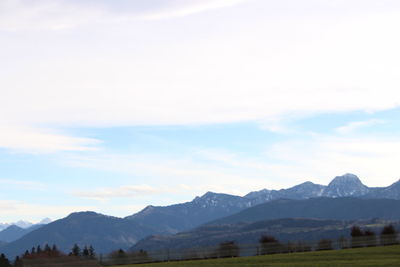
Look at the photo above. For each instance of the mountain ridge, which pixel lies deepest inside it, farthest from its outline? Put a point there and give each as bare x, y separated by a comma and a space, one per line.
124, 232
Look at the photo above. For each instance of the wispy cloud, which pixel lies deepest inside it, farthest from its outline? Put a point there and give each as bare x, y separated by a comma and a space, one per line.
322, 157
356, 125
58, 14
23, 184
126, 191
185, 8
17, 210
34, 140
191, 174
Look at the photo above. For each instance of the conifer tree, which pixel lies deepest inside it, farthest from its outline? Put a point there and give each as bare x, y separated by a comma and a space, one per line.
85, 252
4, 262
92, 253
76, 251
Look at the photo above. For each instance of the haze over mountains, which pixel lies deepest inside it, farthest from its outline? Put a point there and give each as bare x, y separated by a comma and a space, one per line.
14, 232
24, 224
107, 233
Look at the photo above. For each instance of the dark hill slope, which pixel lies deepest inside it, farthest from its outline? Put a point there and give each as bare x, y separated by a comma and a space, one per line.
105, 233
184, 216
250, 233
14, 232
320, 208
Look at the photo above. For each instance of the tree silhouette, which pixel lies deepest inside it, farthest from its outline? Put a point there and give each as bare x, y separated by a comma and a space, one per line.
92, 253
76, 251
4, 262
270, 245
85, 252
47, 248
18, 262
388, 235
357, 237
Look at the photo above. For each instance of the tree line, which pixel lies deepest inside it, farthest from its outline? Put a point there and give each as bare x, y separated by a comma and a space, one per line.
267, 245
49, 253
358, 238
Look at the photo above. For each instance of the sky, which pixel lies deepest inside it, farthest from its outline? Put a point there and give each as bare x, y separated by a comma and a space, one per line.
111, 106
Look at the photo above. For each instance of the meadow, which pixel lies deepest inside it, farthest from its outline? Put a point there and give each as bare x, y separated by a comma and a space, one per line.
359, 257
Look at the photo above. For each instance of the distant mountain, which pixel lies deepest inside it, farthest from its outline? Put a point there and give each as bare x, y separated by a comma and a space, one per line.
14, 232
292, 229
301, 191
23, 224
45, 221
210, 206
179, 217
348, 185
108, 233
345, 186
348, 208
105, 233
390, 192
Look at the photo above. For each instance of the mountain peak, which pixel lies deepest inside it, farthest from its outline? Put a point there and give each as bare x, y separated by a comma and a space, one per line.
45, 221
348, 177
209, 194
84, 214
346, 185
260, 193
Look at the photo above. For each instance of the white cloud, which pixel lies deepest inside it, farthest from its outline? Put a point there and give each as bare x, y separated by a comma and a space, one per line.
33, 140
189, 174
16, 15
252, 72
184, 8
241, 65
44, 14
22, 184
285, 164
14, 209
356, 125
321, 158
130, 191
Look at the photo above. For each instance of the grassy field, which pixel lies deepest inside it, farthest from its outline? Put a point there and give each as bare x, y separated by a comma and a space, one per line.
362, 257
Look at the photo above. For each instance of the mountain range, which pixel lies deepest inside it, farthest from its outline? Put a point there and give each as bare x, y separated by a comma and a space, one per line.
23, 224
14, 232
348, 185
286, 219
107, 233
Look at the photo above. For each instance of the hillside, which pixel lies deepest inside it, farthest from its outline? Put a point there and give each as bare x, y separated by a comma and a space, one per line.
322, 208
179, 217
250, 233
360, 257
105, 233
14, 232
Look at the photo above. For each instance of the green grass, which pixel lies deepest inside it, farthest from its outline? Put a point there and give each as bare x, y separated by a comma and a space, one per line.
361, 257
